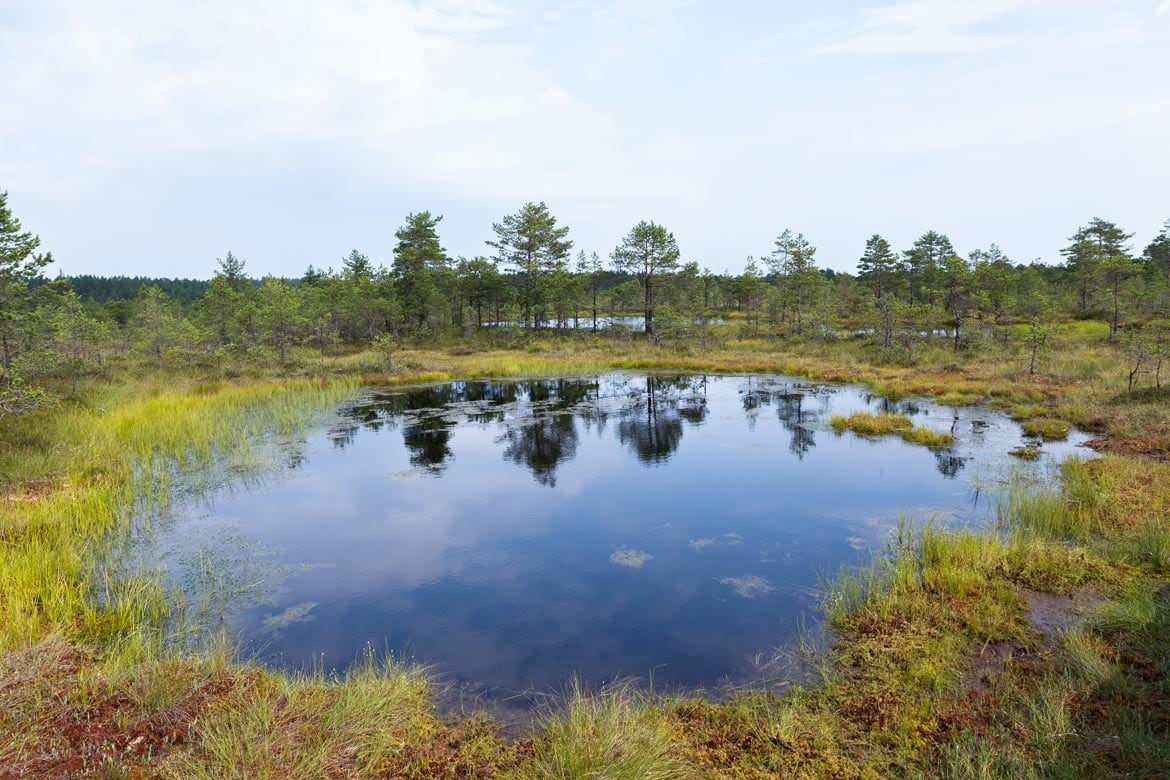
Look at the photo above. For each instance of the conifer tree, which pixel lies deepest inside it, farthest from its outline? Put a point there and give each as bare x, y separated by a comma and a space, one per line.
531, 242
648, 251
419, 258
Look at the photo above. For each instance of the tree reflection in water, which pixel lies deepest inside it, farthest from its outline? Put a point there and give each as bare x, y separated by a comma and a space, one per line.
545, 433
791, 408
652, 426
539, 418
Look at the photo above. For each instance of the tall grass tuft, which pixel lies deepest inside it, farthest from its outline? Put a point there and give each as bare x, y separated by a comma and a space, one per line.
313, 725
616, 733
866, 424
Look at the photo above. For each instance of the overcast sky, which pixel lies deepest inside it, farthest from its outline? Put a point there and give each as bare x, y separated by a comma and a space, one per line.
151, 137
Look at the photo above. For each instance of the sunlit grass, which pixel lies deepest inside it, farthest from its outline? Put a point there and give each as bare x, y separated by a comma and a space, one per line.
107, 466
866, 424
617, 732
1046, 429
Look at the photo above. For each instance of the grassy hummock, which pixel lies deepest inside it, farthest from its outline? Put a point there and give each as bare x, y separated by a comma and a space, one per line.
867, 424
1046, 429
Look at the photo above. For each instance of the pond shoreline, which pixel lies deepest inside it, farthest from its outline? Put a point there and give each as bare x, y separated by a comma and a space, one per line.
653, 507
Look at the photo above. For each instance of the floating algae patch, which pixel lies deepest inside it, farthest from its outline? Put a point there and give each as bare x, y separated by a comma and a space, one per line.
297, 613
749, 586
631, 559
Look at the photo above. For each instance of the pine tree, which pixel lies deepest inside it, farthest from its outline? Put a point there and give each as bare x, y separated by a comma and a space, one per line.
19, 265
591, 268
154, 321
751, 289
647, 251
531, 242
878, 266
232, 269
1157, 252
955, 276
922, 264
419, 257
480, 283
793, 260
1086, 259
280, 315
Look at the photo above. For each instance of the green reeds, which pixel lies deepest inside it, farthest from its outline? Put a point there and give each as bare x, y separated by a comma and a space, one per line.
111, 466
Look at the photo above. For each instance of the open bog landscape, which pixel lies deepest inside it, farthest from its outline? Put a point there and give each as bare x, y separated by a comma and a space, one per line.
584, 391
407, 574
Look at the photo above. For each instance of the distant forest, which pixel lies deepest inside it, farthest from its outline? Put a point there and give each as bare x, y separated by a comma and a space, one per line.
103, 289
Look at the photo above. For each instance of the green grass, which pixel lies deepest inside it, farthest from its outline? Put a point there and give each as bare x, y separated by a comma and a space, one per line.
1046, 429
104, 468
866, 424
617, 733
308, 726
928, 438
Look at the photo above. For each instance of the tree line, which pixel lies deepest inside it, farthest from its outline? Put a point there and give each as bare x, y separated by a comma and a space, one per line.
65, 328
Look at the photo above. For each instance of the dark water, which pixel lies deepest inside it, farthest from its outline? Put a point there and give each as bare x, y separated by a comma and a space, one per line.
513, 533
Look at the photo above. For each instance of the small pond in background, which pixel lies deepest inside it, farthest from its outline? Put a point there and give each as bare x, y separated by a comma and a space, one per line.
513, 533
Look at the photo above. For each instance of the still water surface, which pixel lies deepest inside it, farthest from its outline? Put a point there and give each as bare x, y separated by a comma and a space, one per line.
515, 532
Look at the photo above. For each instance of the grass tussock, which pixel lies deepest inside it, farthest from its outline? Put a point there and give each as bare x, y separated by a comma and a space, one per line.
1046, 429
376, 721
617, 733
866, 424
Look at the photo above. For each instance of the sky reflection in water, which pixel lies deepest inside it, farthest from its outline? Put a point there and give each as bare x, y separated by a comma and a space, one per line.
513, 533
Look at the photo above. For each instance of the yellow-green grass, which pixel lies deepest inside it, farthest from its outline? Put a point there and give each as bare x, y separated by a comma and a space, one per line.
1046, 429
376, 721
928, 437
867, 424
101, 467
618, 732
871, 424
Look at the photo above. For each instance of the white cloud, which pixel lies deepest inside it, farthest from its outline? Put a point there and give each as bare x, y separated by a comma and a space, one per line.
416, 88
294, 132
927, 27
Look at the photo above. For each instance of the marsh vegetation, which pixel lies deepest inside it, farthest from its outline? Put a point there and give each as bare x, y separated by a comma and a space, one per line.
1031, 645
